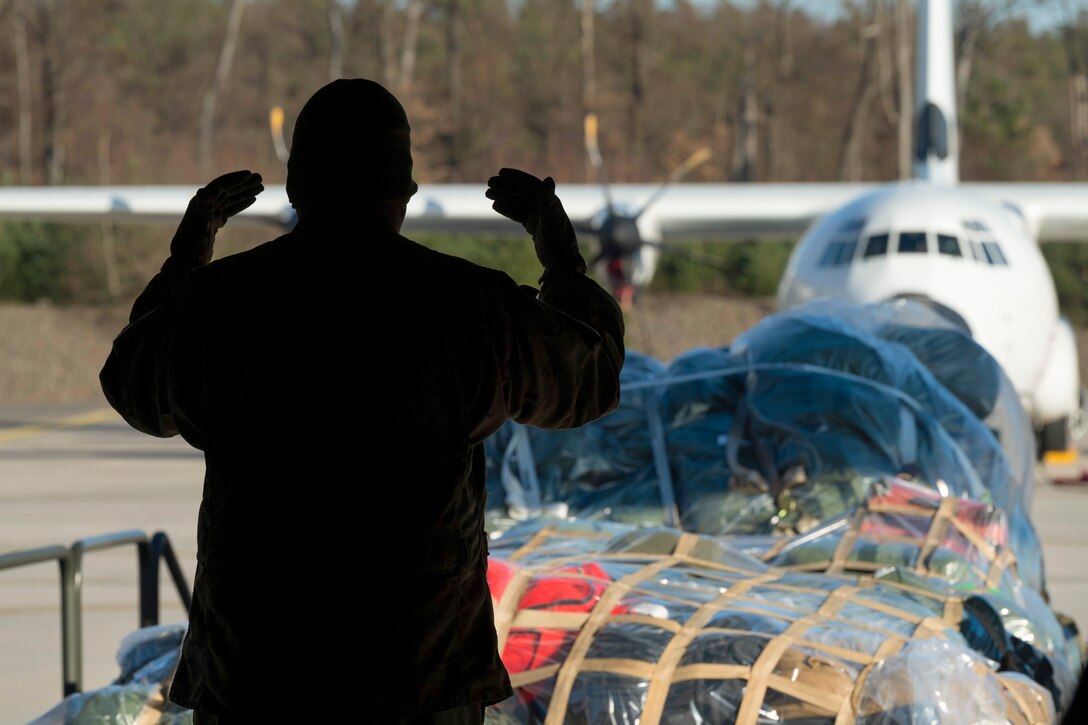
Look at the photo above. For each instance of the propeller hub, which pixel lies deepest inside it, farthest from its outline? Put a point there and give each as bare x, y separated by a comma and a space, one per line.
619, 237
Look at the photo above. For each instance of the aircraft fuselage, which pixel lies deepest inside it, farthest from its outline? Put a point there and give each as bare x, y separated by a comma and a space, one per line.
965, 254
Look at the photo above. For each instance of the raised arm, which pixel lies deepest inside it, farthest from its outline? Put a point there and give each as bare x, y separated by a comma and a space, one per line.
138, 377
563, 365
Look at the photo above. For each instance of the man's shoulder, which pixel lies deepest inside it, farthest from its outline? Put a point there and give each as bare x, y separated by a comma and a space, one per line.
263, 253
450, 264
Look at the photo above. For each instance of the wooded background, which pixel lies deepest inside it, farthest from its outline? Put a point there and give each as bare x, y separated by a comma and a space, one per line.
157, 91
149, 91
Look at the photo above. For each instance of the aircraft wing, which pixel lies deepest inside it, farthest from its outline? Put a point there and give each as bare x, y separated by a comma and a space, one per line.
683, 212
1053, 211
446, 207
739, 211
123, 204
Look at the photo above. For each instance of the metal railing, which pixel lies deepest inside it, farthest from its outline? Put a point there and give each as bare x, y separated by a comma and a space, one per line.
150, 553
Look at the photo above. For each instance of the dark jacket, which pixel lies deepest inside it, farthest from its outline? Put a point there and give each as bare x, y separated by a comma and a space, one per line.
340, 380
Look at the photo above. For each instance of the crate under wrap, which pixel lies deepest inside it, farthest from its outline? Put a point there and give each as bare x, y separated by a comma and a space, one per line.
963, 367
601, 622
942, 544
607, 623
913, 349
603, 470
785, 430
870, 441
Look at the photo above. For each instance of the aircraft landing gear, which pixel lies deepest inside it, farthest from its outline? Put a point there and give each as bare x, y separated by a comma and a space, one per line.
1068, 433
1054, 437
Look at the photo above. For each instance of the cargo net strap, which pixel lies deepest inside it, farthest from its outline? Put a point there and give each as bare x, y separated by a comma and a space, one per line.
789, 663
933, 527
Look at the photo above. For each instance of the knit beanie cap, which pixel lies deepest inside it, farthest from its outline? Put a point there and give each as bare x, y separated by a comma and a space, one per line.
351, 142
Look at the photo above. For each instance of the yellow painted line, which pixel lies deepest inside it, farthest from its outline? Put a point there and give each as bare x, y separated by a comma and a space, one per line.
1059, 458
25, 609
72, 421
81, 419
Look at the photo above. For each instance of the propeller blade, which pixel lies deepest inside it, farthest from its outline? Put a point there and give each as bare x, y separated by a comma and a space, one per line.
275, 125
594, 151
692, 162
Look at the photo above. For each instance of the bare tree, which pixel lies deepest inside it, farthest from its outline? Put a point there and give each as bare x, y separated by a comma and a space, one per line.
336, 40
49, 41
387, 49
22, 77
905, 127
219, 82
1076, 54
779, 95
974, 17
109, 252
636, 46
589, 58
405, 76
589, 69
885, 64
746, 125
850, 164
453, 134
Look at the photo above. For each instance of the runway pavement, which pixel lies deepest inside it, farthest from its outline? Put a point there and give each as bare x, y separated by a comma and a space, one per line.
68, 472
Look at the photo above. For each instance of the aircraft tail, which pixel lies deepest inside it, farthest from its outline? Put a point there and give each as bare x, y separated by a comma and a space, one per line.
937, 144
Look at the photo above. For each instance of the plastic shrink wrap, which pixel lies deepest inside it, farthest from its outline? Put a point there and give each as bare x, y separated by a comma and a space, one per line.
604, 623
787, 429
848, 440
913, 348
605, 470
945, 545
147, 658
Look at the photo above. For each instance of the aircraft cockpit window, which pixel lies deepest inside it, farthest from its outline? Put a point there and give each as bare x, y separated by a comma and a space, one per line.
876, 245
994, 253
838, 253
846, 253
948, 244
978, 254
854, 225
830, 254
975, 225
912, 242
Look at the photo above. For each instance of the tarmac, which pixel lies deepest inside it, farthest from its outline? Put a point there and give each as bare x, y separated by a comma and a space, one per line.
74, 471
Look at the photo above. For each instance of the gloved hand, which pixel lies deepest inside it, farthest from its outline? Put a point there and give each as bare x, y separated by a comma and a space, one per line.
532, 203
206, 214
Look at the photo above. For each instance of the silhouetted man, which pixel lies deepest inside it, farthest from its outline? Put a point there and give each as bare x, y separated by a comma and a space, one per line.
339, 380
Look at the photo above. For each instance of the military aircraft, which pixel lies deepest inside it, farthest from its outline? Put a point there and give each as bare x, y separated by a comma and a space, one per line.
970, 250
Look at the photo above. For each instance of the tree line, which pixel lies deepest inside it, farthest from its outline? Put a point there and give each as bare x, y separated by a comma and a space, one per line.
149, 92
145, 91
